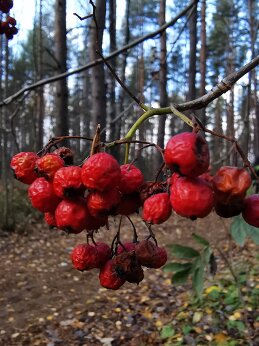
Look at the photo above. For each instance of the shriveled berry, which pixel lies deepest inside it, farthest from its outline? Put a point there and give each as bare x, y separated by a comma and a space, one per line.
126, 247
109, 278
129, 204
234, 208
131, 179
149, 188
23, 165
50, 219
251, 210
71, 215
84, 257
104, 253
42, 195
66, 154
102, 203
67, 182
187, 153
128, 268
231, 183
48, 165
191, 197
157, 208
150, 255
95, 222
101, 172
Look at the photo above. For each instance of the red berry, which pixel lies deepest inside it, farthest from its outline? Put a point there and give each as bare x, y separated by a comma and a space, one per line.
104, 253
42, 195
131, 179
229, 210
84, 257
102, 203
157, 208
187, 154
66, 154
50, 219
150, 255
23, 165
251, 210
127, 267
67, 182
101, 172
191, 197
129, 204
48, 165
109, 278
231, 183
72, 215
126, 247
95, 222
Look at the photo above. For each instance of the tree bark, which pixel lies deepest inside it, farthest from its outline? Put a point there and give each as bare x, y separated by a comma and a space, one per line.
203, 53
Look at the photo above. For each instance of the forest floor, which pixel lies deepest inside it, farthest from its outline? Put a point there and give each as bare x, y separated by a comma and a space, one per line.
44, 301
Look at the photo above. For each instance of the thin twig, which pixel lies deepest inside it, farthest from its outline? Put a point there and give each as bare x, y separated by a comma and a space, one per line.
83, 18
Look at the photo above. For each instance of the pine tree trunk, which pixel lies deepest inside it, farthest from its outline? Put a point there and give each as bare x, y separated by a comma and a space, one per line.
202, 112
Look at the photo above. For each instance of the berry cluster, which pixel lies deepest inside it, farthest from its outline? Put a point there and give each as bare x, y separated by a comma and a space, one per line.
7, 27
76, 198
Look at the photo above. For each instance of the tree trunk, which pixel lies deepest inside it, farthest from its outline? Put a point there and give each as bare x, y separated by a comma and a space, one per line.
202, 112
98, 77
62, 126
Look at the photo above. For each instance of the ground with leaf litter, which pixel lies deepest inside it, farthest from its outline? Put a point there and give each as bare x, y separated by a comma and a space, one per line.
44, 301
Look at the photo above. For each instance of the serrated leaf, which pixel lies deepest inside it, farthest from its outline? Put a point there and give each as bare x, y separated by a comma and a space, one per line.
176, 267
198, 281
180, 251
167, 332
200, 239
181, 277
238, 231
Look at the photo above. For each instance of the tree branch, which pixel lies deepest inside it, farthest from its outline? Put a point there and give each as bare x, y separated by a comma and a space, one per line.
97, 61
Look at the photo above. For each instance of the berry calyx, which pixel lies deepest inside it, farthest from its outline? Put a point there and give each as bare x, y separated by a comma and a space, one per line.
131, 179
48, 165
109, 278
250, 211
66, 155
187, 153
42, 195
157, 208
101, 172
23, 165
67, 182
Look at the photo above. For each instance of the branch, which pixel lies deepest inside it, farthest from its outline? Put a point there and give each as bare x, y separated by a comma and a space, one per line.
97, 61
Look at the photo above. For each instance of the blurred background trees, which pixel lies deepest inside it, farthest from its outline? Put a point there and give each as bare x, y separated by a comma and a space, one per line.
207, 43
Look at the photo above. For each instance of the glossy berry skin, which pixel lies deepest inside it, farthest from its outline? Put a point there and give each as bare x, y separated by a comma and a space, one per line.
42, 195
67, 182
191, 197
150, 255
231, 183
48, 165
101, 172
66, 155
129, 204
251, 210
101, 203
84, 257
23, 165
109, 278
50, 219
157, 208
127, 247
187, 153
71, 215
131, 179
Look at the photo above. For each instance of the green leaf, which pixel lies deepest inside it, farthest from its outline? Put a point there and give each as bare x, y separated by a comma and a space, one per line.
180, 251
238, 231
181, 277
167, 332
198, 281
176, 267
252, 232
200, 240
206, 254
187, 329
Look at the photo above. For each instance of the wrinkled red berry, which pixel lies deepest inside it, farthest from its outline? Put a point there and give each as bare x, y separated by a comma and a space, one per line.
42, 195
157, 208
95, 222
48, 165
101, 172
229, 210
231, 183
126, 247
150, 255
66, 154
102, 203
128, 268
84, 257
131, 179
187, 153
23, 165
104, 253
191, 197
67, 182
50, 219
71, 215
129, 204
109, 278
251, 210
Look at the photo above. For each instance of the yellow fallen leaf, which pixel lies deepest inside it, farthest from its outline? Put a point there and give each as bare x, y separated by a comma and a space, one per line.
208, 311
147, 313
168, 282
212, 288
182, 315
197, 316
144, 299
117, 309
49, 318
158, 324
220, 338
198, 330
235, 316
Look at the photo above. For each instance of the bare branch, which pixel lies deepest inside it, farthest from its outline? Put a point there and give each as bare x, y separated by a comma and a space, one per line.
97, 61
83, 18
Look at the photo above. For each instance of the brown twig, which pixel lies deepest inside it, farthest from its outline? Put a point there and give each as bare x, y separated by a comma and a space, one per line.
83, 18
